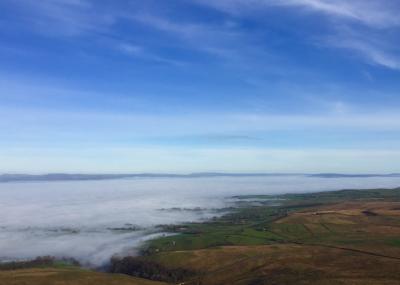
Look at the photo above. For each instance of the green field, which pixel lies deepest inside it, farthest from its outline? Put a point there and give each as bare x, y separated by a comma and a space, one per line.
361, 227
256, 225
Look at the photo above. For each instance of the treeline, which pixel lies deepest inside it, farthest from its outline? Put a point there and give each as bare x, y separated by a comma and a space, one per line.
139, 267
41, 261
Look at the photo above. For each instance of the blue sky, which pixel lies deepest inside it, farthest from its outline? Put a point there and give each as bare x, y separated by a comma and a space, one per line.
199, 85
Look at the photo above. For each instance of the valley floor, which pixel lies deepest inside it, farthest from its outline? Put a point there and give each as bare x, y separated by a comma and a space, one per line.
341, 237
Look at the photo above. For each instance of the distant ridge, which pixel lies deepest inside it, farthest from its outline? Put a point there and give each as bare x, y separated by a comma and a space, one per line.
82, 177
339, 175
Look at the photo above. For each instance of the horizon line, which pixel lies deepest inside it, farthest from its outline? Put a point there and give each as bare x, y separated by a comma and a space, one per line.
21, 177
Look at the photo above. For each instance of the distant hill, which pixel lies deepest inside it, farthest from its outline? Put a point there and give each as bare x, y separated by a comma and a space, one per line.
339, 175
82, 177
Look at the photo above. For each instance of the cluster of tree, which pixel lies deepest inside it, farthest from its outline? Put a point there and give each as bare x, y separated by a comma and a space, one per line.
139, 267
41, 261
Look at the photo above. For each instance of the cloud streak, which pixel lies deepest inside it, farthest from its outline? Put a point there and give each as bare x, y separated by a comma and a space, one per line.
371, 14
63, 18
118, 125
217, 40
370, 51
80, 18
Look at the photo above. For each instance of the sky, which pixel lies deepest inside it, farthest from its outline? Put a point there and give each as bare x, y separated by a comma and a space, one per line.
199, 85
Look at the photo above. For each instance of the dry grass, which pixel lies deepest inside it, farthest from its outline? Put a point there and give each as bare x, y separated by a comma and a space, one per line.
284, 264
344, 243
70, 276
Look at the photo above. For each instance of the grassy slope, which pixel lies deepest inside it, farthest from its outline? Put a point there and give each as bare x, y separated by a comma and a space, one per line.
283, 264
342, 237
67, 276
257, 225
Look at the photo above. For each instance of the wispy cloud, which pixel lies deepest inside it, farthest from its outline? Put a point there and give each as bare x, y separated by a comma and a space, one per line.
380, 13
62, 18
87, 18
139, 119
371, 14
219, 40
145, 54
90, 126
377, 13
82, 19
371, 51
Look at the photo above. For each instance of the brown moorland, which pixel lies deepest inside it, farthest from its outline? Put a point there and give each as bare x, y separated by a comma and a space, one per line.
67, 276
342, 243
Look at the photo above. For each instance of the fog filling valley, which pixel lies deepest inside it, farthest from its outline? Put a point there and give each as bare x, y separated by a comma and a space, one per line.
93, 220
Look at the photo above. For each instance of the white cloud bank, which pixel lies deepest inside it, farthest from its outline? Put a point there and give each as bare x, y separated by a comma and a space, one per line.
74, 218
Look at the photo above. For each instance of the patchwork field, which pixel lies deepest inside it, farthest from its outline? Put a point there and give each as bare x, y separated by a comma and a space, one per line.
332, 238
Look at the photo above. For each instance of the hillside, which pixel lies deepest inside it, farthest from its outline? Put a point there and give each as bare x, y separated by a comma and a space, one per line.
67, 276
340, 237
